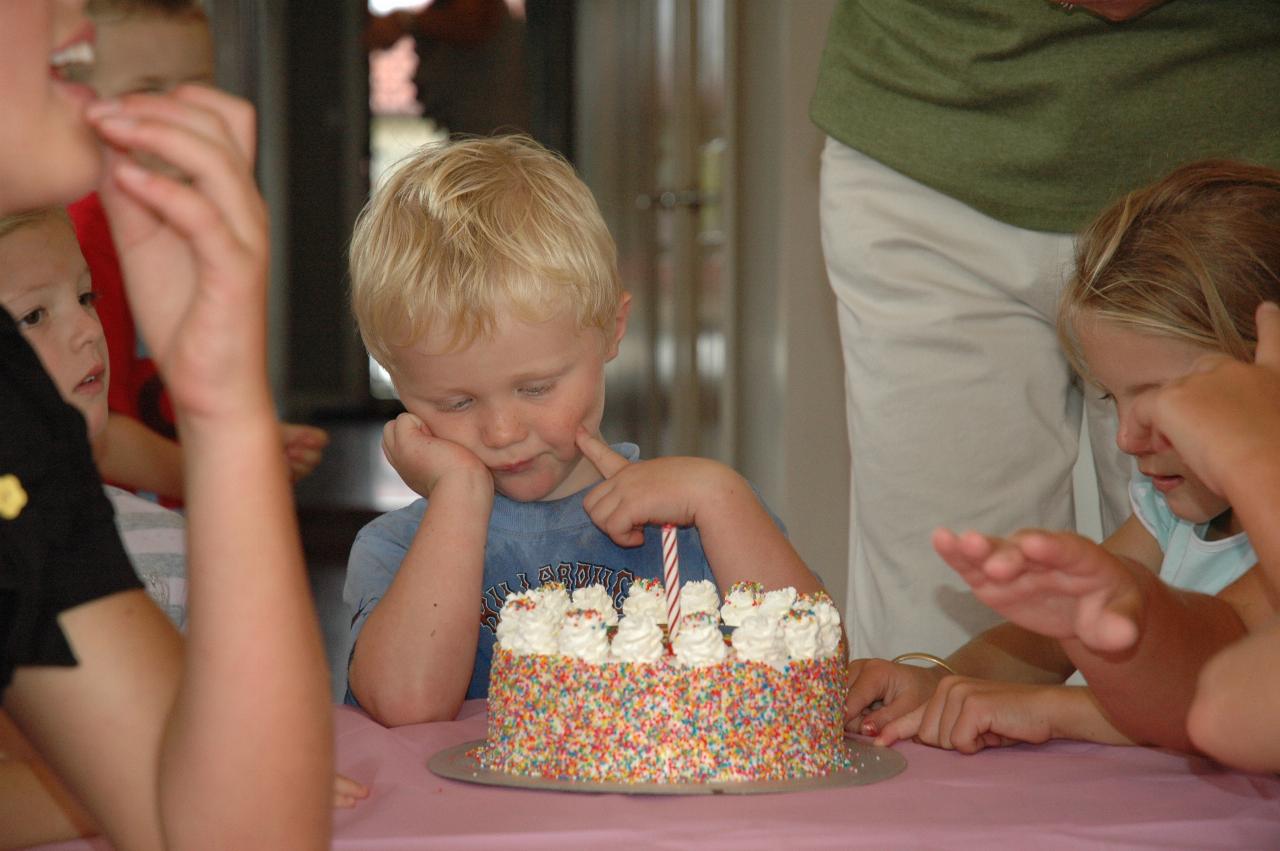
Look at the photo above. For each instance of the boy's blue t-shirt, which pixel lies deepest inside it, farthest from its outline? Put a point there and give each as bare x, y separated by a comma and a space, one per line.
529, 543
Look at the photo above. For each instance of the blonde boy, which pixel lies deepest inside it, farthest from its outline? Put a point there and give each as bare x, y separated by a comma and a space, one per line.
484, 280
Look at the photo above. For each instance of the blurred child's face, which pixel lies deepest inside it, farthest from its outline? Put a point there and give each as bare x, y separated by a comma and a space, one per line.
48, 154
1126, 364
44, 284
151, 53
515, 399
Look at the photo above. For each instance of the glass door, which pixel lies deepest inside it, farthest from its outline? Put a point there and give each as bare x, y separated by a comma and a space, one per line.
655, 120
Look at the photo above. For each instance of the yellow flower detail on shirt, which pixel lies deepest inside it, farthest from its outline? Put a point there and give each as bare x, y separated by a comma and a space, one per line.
13, 498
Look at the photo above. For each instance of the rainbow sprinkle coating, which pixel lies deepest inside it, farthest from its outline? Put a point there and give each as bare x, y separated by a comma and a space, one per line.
623, 722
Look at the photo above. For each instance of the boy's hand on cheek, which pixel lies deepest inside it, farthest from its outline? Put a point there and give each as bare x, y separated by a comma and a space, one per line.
423, 460
664, 490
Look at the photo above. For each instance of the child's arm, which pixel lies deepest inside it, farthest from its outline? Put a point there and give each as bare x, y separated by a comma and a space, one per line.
1139, 642
251, 725
414, 657
1147, 690
135, 457
227, 740
740, 539
967, 715
35, 808
1006, 652
1237, 703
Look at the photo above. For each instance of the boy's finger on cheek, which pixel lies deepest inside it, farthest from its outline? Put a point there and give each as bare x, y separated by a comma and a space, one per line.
600, 453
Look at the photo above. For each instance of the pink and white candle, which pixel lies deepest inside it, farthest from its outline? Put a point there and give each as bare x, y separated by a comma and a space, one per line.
671, 578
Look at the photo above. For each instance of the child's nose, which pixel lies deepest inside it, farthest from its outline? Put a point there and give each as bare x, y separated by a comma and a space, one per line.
87, 329
1132, 437
501, 427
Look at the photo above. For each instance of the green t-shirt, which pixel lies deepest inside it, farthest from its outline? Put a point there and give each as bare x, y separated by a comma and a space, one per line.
1039, 116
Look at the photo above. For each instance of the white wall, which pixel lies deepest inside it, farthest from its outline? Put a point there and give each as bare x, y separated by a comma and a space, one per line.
792, 439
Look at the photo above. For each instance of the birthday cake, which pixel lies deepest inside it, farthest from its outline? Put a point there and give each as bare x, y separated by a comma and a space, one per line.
749, 690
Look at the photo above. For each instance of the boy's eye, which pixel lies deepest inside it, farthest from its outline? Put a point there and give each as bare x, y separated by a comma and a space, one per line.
32, 319
452, 405
538, 389
1107, 397
88, 298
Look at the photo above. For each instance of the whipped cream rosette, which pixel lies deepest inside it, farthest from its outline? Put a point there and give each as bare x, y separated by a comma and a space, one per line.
829, 632
700, 596
527, 627
583, 635
552, 597
742, 598
800, 634
596, 598
510, 633
646, 596
699, 642
759, 639
638, 639
779, 601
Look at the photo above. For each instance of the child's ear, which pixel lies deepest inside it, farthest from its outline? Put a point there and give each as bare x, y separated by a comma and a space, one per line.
619, 325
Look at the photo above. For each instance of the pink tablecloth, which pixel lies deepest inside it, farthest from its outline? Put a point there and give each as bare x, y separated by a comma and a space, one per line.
1064, 795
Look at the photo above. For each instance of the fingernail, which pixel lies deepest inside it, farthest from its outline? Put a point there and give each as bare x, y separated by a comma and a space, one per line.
118, 122
129, 171
104, 107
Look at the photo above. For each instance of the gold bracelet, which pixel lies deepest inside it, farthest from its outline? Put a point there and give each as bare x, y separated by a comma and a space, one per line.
925, 657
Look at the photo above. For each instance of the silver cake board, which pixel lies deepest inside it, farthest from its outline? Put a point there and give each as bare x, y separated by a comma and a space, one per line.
867, 764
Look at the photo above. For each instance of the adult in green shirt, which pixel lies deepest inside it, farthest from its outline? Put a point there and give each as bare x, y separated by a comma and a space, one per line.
967, 140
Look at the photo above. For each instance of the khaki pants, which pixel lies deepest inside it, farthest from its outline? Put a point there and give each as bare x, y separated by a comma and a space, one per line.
961, 409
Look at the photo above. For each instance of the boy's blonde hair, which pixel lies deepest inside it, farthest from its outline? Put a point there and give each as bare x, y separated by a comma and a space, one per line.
1190, 257
464, 230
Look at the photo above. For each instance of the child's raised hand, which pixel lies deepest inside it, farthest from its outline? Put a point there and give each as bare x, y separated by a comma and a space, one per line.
194, 253
663, 490
422, 460
901, 688
1058, 584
